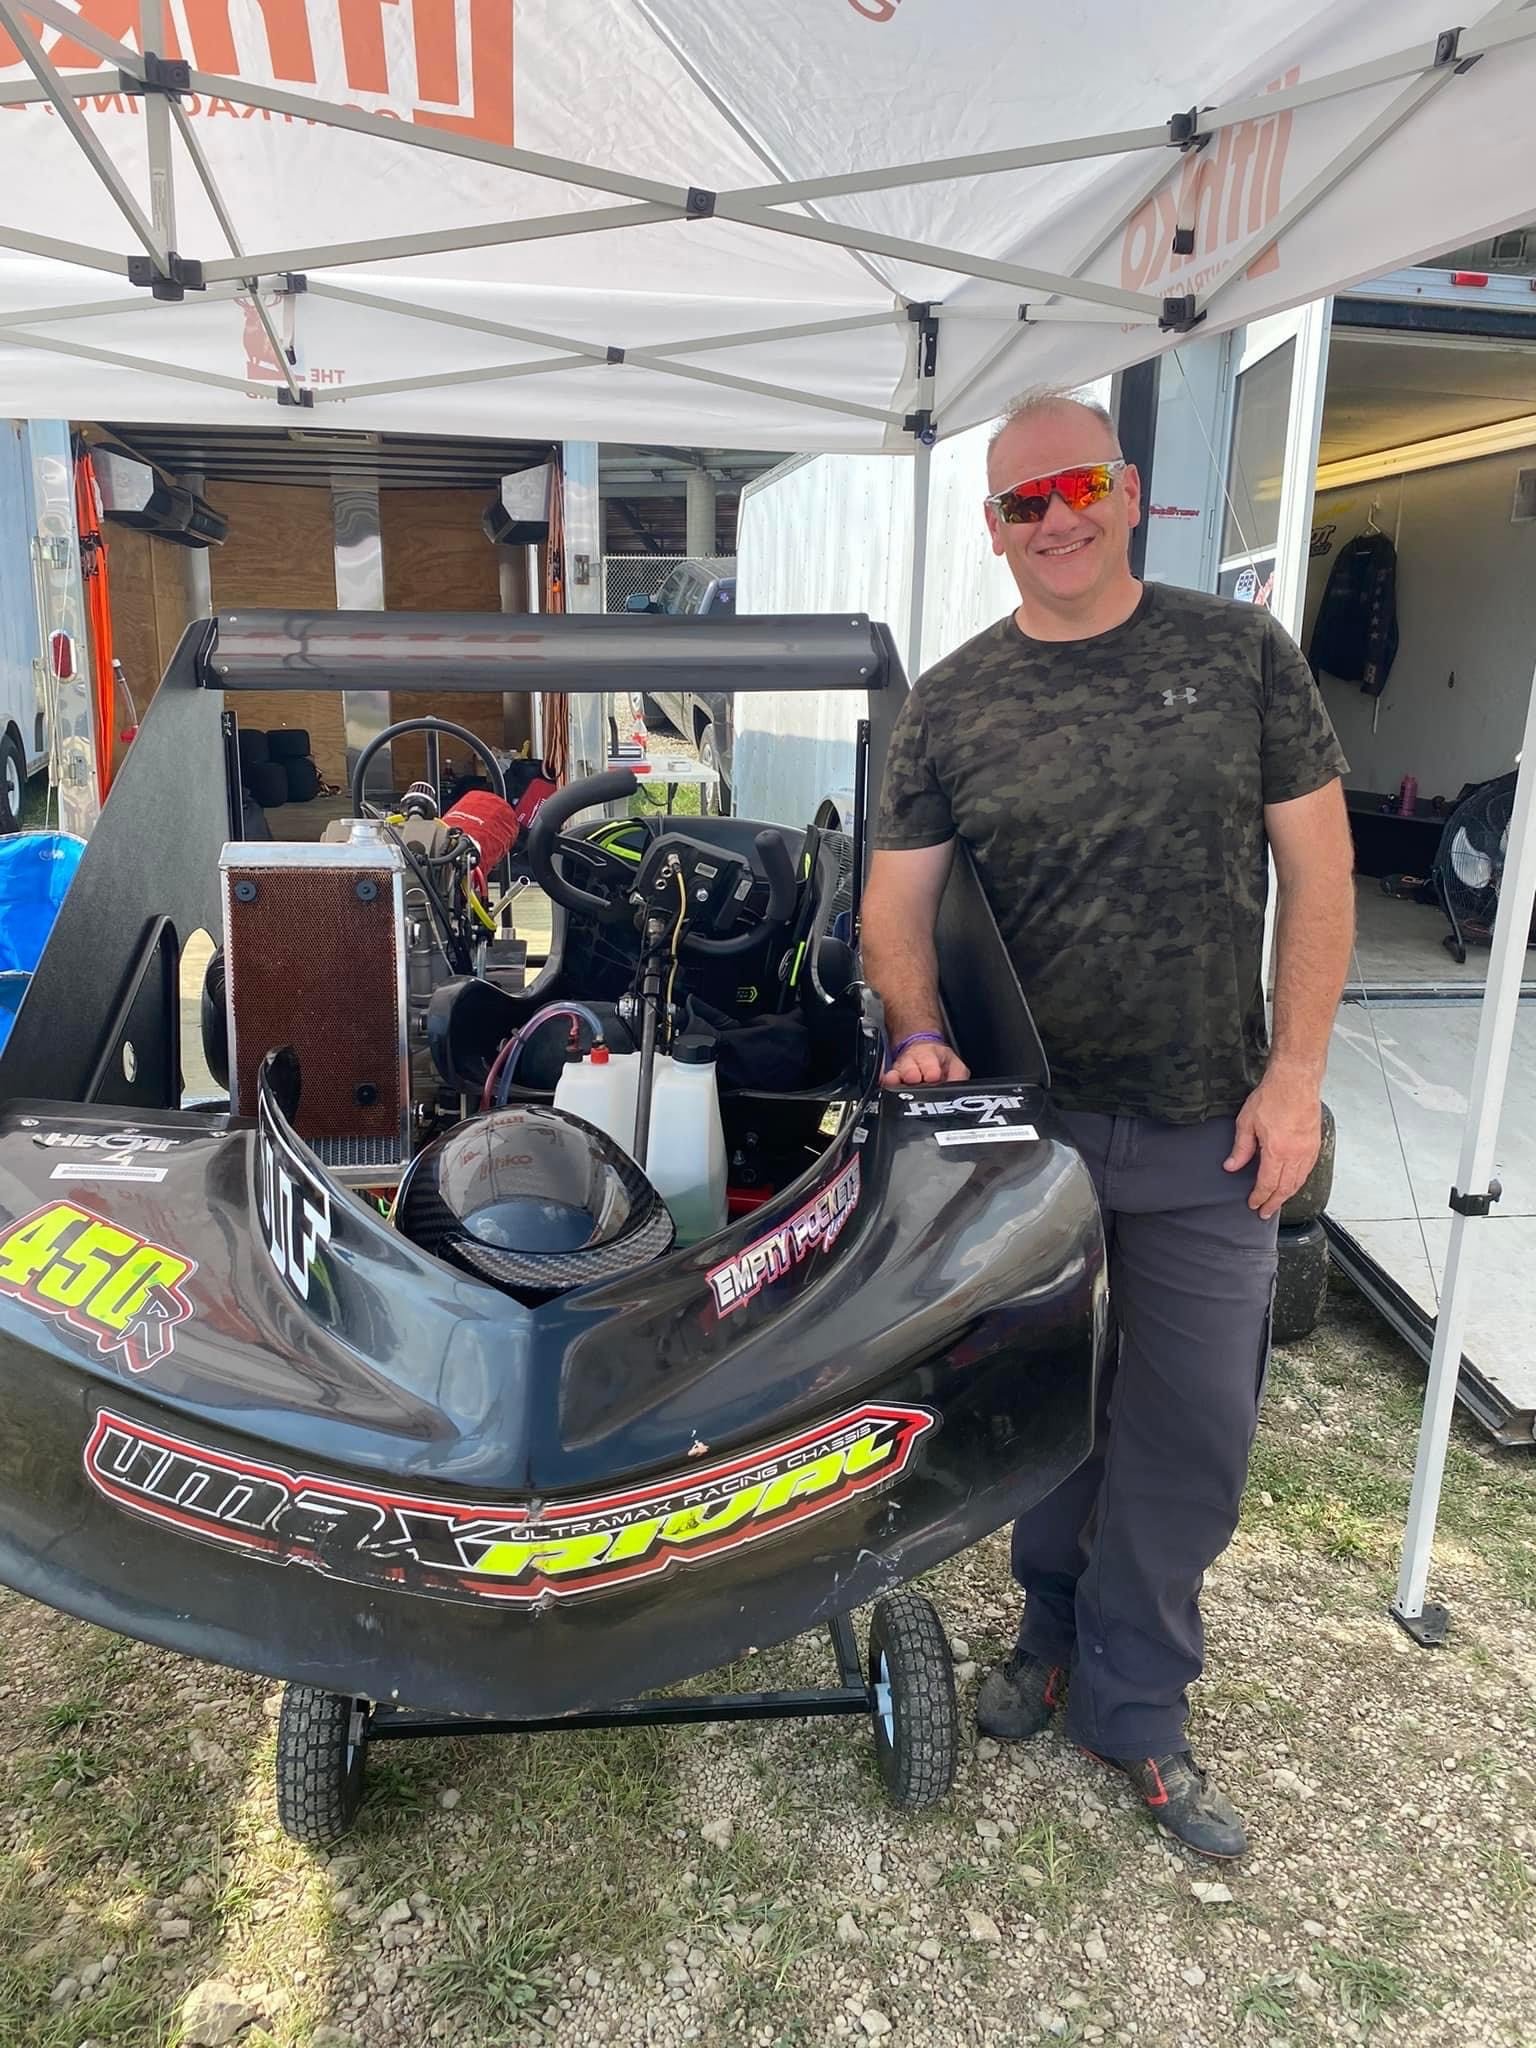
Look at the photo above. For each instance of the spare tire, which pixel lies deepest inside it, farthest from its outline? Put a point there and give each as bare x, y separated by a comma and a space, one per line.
1301, 1285
288, 743
268, 783
1311, 1198
303, 781
253, 749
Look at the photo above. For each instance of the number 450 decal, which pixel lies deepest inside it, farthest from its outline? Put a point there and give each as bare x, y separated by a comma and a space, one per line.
106, 1283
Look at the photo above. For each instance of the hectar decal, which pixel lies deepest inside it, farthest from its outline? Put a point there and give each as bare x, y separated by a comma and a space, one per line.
466, 1552
815, 1227
294, 1205
104, 1282
128, 1154
983, 1109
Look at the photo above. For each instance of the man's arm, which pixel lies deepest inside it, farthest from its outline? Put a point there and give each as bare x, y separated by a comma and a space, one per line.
901, 904
1314, 931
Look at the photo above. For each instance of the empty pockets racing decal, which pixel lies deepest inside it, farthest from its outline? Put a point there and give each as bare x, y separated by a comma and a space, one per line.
814, 1228
104, 1282
468, 1552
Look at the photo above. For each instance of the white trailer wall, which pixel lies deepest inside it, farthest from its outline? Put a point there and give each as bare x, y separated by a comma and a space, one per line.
1466, 606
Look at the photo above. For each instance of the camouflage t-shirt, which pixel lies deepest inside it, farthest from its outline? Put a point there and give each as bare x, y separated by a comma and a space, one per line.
1111, 792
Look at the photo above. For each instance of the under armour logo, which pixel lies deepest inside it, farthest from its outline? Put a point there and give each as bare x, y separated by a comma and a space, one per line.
1184, 696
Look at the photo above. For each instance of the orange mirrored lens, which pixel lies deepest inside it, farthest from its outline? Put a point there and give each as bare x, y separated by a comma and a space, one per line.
1027, 503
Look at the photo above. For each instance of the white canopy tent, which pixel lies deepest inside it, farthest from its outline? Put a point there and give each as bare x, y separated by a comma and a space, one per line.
799, 224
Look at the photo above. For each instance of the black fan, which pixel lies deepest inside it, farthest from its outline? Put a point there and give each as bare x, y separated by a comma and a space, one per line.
1469, 866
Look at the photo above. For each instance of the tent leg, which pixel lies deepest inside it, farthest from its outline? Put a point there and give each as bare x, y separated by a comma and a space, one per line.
922, 485
1425, 1622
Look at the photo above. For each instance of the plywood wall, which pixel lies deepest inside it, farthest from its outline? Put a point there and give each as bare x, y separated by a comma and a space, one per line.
281, 551
147, 588
437, 559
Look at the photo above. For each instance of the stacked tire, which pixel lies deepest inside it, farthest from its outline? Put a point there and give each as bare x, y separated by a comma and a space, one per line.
1302, 1283
277, 767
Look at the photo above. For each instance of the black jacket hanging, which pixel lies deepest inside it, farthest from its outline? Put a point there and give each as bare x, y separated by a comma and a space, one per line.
1355, 634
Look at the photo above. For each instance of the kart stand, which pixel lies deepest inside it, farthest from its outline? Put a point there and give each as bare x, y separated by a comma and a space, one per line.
906, 1685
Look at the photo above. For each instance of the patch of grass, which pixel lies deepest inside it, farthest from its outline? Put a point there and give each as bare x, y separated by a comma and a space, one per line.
1390, 1927
1366, 1987
1052, 1869
1511, 1878
1273, 1999
72, 1716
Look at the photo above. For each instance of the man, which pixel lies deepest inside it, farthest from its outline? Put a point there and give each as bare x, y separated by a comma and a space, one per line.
1116, 757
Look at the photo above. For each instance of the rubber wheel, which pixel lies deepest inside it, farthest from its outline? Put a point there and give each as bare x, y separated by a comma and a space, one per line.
321, 1745
1311, 1198
1301, 1286
912, 1699
303, 781
288, 742
13, 783
710, 758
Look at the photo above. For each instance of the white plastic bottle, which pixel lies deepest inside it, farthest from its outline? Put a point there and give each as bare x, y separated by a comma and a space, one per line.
602, 1089
686, 1158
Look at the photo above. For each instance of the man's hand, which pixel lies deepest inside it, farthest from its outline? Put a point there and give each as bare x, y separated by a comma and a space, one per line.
1282, 1121
922, 1065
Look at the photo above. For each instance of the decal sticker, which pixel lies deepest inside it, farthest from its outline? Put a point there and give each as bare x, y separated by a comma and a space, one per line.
107, 1155
292, 1202
986, 1109
816, 1227
106, 1283
1003, 1134
466, 1552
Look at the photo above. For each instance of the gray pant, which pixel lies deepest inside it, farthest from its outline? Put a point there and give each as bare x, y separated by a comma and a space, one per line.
1112, 1562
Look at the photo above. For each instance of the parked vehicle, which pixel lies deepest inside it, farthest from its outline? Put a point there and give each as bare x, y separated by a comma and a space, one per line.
697, 590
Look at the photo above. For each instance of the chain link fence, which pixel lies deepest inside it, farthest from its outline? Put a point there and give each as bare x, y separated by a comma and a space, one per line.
626, 576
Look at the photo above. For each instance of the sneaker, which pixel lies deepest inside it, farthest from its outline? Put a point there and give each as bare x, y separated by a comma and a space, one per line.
1182, 1801
1019, 1696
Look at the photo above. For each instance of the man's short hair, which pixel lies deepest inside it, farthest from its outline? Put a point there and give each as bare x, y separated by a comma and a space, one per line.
1050, 398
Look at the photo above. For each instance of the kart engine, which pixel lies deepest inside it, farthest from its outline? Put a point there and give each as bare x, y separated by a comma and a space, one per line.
336, 949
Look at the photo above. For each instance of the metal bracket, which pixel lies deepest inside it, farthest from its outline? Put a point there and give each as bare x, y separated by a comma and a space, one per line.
182, 274
1184, 131
305, 399
700, 203
293, 281
920, 425
1183, 241
1477, 1205
1429, 1629
924, 319
1180, 313
169, 77
615, 355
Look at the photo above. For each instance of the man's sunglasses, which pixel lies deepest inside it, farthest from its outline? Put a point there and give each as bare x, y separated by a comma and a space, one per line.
1026, 504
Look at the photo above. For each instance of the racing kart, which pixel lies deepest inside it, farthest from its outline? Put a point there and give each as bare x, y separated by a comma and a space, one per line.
384, 1377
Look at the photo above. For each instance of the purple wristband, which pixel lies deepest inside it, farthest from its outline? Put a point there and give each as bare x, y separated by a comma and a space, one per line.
916, 1038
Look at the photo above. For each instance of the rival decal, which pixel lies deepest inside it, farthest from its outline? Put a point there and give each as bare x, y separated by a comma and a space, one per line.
292, 1203
104, 1282
815, 1227
466, 1552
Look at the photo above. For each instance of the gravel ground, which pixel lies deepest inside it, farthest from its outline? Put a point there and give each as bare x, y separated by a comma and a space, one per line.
748, 1886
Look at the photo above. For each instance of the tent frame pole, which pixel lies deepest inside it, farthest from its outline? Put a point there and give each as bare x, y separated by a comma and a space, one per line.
53, 345
487, 235
1475, 1191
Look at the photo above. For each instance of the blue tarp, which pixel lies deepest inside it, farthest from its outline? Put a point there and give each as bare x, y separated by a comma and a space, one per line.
36, 869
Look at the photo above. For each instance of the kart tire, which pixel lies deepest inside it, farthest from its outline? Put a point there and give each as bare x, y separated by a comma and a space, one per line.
13, 783
321, 1745
912, 1700
1311, 1198
254, 751
268, 784
1301, 1285
288, 742
709, 757
303, 781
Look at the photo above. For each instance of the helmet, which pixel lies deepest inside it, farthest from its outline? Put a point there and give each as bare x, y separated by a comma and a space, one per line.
533, 1200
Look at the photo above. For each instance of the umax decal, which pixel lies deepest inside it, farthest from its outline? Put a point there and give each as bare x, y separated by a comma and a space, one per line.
106, 1284
815, 1227
460, 1551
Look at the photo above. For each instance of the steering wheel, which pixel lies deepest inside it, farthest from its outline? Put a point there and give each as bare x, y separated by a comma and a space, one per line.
613, 878
440, 725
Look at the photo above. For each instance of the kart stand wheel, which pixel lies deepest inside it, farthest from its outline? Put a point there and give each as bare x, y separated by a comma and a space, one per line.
322, 1738
912, 1699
